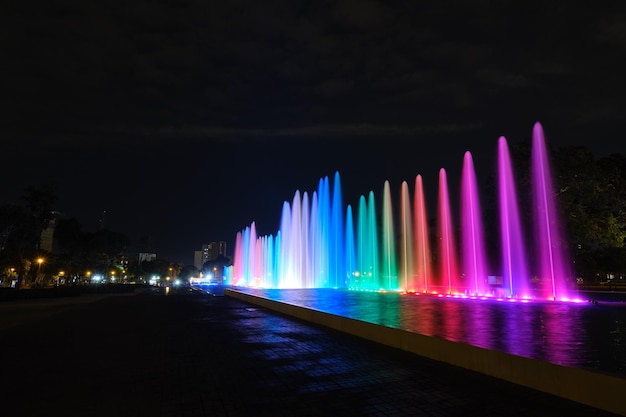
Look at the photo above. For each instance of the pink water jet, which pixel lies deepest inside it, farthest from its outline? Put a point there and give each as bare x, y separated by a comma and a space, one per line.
423, 267
449, 273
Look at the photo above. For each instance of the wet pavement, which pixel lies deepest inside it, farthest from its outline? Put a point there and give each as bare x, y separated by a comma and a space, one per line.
186, 353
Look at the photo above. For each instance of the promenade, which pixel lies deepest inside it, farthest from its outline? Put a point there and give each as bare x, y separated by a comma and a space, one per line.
164, 352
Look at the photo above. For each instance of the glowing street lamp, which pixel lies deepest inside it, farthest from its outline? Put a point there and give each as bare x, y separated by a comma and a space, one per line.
39, 262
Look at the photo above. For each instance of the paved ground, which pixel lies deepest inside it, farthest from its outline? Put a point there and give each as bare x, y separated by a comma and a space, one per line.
190, 354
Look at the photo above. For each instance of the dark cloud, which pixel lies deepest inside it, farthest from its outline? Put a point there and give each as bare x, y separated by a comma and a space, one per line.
182, 63
155, 94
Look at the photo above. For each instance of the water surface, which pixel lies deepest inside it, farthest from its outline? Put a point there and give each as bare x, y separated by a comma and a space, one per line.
584, 335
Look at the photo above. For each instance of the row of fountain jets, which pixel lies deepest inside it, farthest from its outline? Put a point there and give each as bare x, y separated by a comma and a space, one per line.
379, 245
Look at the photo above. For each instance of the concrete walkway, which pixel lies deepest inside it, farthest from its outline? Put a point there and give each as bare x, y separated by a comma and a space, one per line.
185, 353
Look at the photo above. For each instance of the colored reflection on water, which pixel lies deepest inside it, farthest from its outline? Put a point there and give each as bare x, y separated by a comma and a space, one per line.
586, 335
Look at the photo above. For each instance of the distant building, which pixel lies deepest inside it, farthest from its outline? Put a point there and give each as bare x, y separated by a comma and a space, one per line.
147, 257
46, 239
209, 252
197, 259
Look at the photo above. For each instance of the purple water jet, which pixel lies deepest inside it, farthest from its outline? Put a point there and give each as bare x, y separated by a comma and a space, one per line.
513, 249
473, 249
554, 270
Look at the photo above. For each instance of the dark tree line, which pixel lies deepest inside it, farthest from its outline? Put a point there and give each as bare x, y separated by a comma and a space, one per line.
591, 198
21, 225
76, 252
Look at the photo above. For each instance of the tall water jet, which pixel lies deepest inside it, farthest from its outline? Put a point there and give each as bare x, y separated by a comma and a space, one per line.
514, 265
423, 260
389, 273
236, 272
448, 265
553, 270
473, 248
286, 272
323, 232
372, 237
305, 250
315, 246
351, 258
406, 240
250, 244
274, 281
297, 242
363, 246
269, 271
337, 268
367, 253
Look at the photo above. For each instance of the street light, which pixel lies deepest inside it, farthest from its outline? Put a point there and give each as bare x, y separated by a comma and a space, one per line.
12, 275
39, 262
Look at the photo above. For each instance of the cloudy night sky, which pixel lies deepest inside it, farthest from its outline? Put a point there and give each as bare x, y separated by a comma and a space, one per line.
187, 120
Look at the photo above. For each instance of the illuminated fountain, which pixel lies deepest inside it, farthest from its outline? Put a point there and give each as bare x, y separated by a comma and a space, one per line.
323, 244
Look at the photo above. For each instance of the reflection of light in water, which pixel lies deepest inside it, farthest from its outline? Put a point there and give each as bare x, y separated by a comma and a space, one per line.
570, 334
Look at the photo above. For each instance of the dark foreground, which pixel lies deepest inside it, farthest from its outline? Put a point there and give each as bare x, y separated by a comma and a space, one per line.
186, 353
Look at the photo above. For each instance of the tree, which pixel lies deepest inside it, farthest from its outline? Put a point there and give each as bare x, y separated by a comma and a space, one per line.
591, 196
187, 272
69, 235
39, 203
21, 227
215, 267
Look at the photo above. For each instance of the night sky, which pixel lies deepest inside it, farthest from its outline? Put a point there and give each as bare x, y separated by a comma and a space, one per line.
187, 120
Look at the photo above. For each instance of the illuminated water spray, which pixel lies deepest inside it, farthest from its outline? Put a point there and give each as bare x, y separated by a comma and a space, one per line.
513, 249
422, 260
449, 276
389, 271
368, 231
473, 248
406, 243
322, 243
554, 269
